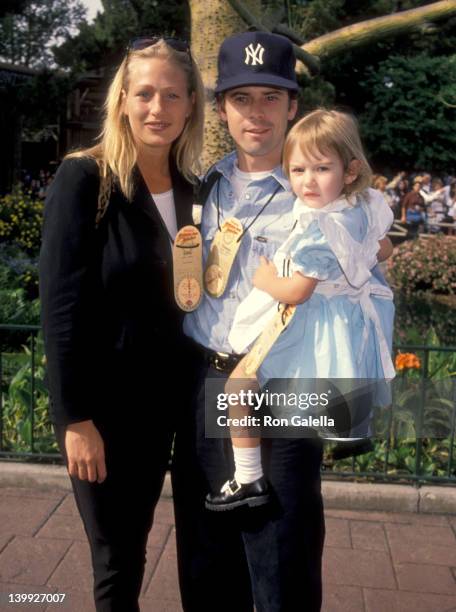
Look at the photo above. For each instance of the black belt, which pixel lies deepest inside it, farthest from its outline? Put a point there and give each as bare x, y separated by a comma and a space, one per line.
223, 362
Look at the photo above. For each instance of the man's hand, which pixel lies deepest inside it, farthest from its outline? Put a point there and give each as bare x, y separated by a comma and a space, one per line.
85, 449
264, 274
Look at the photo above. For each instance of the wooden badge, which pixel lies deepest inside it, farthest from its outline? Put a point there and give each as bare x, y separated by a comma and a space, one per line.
188, 268
255, 357
224, 248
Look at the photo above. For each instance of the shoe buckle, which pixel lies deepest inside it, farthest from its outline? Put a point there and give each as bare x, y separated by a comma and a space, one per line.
232, 486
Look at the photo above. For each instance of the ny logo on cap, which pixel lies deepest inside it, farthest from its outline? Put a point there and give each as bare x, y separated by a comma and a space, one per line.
254, 56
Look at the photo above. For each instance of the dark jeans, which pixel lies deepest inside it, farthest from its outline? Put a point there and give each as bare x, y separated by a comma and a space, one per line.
269, 555
118, 513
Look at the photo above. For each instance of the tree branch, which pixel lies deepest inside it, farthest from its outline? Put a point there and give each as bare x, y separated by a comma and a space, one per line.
445, 103
311, 62
291, 34
371, 30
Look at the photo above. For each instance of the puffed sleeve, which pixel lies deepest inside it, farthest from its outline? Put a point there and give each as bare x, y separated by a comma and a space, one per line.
67, 289
311, 254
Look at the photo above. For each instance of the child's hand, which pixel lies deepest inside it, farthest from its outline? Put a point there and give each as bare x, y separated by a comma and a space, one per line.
265, 274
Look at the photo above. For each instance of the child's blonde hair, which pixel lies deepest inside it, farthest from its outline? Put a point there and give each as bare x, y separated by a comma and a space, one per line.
323, 131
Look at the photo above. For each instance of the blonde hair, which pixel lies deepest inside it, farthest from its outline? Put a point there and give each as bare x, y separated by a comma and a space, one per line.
323, 131
378, 180
116, 149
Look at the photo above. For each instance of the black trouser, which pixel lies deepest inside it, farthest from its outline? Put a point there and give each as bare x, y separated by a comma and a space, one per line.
118, 513
270, 555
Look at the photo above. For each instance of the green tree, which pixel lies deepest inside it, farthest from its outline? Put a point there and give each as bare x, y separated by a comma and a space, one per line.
104, 40
406, 122
343, 79
27, 37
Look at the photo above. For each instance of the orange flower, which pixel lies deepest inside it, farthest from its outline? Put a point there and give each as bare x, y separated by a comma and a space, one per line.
407, 360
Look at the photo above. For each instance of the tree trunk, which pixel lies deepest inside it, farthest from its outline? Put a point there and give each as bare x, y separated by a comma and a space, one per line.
211, 22
372, 30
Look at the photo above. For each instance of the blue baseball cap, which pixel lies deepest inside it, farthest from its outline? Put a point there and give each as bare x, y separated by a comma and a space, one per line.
256, 58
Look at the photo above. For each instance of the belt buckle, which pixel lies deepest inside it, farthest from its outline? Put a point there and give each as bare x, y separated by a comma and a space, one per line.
220, 361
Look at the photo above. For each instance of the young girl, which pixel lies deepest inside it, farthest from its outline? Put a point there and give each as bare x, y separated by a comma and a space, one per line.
342, 325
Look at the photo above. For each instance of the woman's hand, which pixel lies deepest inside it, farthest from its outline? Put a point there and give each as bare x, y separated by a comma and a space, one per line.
85, 450
265, 273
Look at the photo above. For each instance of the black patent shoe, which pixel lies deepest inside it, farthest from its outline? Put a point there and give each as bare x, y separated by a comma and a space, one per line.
233, 495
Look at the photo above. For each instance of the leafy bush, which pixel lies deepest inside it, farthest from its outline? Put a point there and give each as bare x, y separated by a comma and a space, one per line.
21, 218
17, 401
19, 303
416, 315
421, 265
408, 114
400, 460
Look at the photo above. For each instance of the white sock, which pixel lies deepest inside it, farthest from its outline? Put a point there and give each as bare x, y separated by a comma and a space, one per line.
248, 464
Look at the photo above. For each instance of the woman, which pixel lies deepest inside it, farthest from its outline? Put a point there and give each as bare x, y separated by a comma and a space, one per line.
112, 330
397, 188
380, 182
413, 206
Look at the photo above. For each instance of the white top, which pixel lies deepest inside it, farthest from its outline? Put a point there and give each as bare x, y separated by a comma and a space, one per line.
167, 210
241, 180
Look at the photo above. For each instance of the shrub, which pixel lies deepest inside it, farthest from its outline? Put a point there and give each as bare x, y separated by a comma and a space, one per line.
422, 265
416, 315
17, 423
18, 287
21, 218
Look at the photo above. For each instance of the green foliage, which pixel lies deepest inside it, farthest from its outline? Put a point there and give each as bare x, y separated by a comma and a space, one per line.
416, 315
311, 19
405, 118
18, 290
401, 460
28, 35
418, 426
17, 403
41, 98
104, 41
405, 127
314, 93
20, 238
422, 265
21, 218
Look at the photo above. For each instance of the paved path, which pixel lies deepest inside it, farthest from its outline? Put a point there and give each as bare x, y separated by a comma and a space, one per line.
374, 561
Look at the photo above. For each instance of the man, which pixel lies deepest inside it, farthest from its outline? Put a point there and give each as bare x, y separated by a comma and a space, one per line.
269, 555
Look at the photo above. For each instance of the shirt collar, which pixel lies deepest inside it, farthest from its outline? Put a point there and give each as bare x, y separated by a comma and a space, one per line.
226, 167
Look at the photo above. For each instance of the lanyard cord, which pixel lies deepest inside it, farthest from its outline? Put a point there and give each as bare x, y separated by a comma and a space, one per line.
286, 273
287, 261
255, 218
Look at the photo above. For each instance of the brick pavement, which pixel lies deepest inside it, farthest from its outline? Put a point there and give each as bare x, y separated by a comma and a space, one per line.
373, 561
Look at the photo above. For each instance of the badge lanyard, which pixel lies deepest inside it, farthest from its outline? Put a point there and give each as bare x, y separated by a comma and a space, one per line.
225, 246
246, 229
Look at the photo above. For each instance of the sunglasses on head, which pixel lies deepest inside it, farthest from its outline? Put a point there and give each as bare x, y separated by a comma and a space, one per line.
146, 41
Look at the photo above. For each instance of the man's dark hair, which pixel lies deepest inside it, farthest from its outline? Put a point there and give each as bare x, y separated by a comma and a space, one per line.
220, 97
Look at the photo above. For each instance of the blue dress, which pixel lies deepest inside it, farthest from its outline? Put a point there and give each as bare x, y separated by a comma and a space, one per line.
344, 330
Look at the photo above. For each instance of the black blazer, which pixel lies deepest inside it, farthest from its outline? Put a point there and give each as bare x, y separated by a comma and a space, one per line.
107, 294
